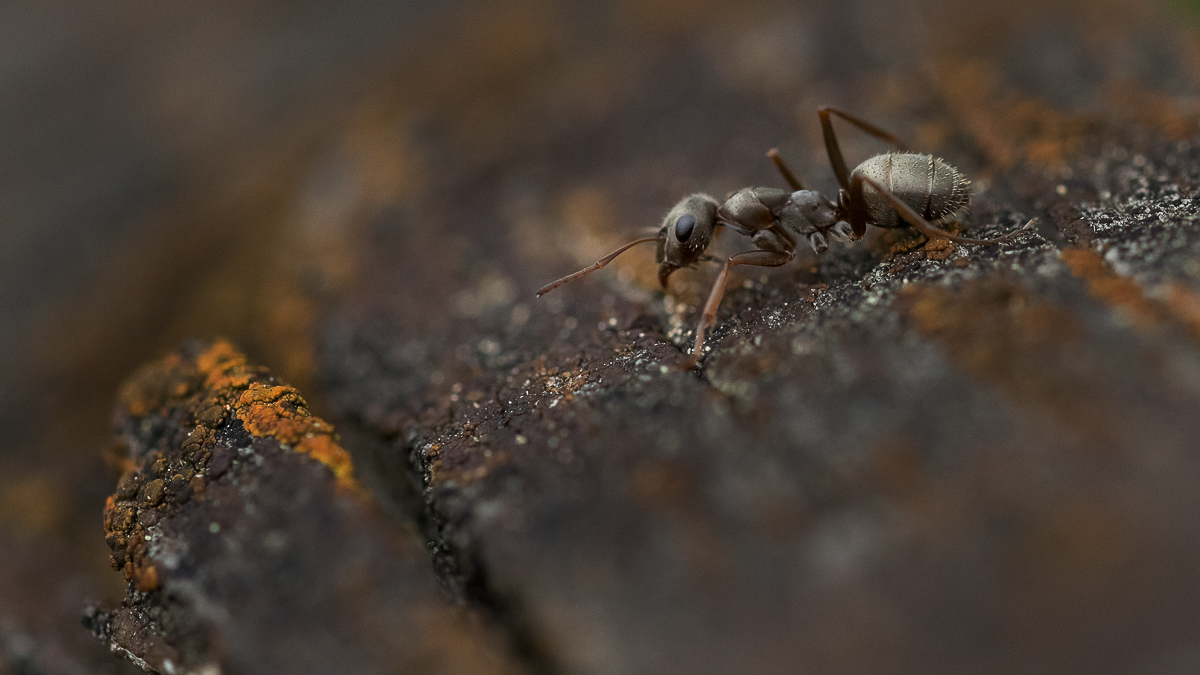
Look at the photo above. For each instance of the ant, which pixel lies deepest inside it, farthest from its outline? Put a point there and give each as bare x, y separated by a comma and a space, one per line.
920, 188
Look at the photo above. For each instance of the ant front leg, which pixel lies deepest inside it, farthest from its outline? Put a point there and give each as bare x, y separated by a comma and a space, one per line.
758, 258
920, 224
835, 151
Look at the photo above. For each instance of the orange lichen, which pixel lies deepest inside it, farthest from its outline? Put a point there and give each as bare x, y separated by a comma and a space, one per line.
207, 388
225, 379
1139, 104
1111, 289
1184, 306
1008, 127
145, 578
279, 412
1031, 347
323, 448
271, 410
1171, 304
224, 369
1009, 317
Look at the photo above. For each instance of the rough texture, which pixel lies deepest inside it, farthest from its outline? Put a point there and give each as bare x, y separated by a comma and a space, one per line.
246, 555
198, 392
904, 456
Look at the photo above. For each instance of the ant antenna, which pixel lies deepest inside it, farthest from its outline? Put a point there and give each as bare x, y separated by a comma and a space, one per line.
598, 264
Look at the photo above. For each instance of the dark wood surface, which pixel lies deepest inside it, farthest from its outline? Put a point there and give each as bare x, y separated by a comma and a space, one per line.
902, 456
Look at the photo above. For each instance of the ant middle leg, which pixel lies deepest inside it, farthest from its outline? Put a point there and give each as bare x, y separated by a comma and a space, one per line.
835, 151
920, 224
758, 258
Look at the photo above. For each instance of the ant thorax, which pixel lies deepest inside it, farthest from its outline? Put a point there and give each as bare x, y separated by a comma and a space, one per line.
807, 212
752, 209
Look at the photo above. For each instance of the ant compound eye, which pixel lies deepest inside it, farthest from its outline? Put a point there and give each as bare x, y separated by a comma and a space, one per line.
684, 226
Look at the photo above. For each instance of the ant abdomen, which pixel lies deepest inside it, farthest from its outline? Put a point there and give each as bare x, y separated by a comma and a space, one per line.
933, 188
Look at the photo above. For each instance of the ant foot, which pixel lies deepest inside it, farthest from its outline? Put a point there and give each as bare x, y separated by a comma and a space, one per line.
817, 241
842, 231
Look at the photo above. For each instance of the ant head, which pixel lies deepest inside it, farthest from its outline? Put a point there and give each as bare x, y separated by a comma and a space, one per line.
686, 233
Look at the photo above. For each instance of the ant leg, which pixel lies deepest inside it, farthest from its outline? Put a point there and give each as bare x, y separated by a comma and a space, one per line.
856, 209
866, 127
988, 242
784, 169
835, 151
923, 226
758, 258
596, 265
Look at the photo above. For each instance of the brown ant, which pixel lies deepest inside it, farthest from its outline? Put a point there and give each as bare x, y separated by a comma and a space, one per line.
920, 188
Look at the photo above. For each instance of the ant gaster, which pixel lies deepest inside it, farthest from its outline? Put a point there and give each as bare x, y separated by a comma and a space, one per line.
920, 188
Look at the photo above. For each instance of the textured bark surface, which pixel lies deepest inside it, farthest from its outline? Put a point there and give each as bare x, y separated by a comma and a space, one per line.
901, 456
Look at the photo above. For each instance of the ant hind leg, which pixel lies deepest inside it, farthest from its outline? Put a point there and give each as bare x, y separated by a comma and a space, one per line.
925, 227
836, 159
865, 126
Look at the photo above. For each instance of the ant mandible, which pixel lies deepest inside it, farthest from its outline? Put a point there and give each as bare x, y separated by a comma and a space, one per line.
920, 188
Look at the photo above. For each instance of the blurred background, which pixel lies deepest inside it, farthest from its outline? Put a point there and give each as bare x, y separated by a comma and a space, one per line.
151, 160
171, 170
